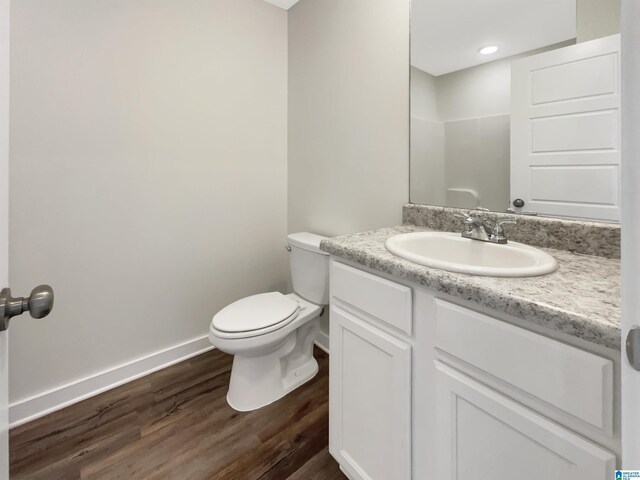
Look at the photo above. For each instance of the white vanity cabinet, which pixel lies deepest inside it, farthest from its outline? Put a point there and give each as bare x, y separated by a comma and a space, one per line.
370, 377
422, 387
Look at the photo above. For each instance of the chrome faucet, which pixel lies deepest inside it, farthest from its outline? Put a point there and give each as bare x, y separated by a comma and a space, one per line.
477, 228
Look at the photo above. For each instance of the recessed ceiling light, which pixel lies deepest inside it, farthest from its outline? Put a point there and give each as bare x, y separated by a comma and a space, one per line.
488, 50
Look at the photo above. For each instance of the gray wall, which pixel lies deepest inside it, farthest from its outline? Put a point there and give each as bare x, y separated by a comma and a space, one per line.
597, 18
427, 153
424, 95
478, 158
148, 174
149, 161
348, 114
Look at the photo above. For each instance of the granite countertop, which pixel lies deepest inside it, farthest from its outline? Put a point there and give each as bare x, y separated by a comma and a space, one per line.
582, 298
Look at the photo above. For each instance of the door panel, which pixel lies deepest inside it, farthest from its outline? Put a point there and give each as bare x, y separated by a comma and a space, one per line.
580, 132
565, 131
586, 184
550, 84
484, 435
370, 398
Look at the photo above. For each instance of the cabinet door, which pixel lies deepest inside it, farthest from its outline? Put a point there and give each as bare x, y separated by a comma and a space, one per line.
484, 435
370, 400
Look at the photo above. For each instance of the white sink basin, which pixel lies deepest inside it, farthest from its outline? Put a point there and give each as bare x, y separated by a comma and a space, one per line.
451, 252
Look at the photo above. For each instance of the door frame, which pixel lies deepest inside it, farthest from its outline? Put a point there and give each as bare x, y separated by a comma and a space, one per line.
4, 230
630, 28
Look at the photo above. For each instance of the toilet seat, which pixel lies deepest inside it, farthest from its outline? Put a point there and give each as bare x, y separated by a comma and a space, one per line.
255, 315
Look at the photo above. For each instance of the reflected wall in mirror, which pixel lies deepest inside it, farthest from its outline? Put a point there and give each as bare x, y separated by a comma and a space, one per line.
515, 106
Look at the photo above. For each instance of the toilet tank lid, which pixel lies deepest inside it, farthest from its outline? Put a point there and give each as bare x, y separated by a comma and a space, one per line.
306, 241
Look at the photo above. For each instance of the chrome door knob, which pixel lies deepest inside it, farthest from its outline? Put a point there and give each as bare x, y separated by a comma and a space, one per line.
633, 347
39, 304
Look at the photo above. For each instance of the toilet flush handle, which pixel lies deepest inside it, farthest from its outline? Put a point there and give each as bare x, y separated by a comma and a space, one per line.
288, 248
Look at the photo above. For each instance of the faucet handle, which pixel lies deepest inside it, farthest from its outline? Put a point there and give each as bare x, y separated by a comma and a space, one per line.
505, 221
468, 221
497, 235
465, 217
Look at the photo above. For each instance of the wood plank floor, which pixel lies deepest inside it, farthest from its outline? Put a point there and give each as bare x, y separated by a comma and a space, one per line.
176, 424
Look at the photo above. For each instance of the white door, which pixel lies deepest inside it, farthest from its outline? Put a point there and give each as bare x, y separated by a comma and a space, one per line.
485, 435
40, 303
4, 228
370, 398
565, 131
631, 228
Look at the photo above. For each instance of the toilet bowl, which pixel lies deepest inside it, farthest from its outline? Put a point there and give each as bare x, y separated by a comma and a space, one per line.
271, 335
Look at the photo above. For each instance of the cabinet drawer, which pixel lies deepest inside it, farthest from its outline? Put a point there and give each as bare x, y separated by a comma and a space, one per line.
572, 380
387, 301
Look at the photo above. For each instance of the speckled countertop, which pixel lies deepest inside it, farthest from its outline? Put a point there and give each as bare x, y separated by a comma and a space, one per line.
582, 298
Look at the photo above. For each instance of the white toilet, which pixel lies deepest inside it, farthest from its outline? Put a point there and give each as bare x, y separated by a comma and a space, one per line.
271, 334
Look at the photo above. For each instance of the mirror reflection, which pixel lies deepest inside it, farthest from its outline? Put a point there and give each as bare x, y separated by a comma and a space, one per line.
515, 106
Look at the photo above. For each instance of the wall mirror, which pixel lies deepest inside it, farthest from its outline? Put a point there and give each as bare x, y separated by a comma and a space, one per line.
515, 106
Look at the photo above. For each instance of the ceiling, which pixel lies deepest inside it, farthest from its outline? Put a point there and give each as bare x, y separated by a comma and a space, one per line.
446, 34
285, 4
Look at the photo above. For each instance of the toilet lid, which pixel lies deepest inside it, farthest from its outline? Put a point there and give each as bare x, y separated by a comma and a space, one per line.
255, 312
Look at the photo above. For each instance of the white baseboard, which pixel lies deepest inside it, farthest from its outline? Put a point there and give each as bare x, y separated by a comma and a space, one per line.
28, 409
322, 341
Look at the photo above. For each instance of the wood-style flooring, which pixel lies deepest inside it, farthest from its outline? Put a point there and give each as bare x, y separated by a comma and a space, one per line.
176, 424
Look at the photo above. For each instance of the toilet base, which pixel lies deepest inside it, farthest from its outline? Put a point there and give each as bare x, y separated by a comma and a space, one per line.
242, 403
257, 381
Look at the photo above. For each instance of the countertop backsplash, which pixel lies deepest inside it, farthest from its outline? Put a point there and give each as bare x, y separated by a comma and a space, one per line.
583, 237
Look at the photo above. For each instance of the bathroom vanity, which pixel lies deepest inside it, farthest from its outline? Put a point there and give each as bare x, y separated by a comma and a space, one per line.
439, 375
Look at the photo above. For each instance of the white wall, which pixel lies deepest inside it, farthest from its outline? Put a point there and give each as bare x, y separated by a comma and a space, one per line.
348, 114
148, 174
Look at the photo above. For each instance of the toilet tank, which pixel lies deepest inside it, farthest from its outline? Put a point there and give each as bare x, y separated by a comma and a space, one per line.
309, 267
